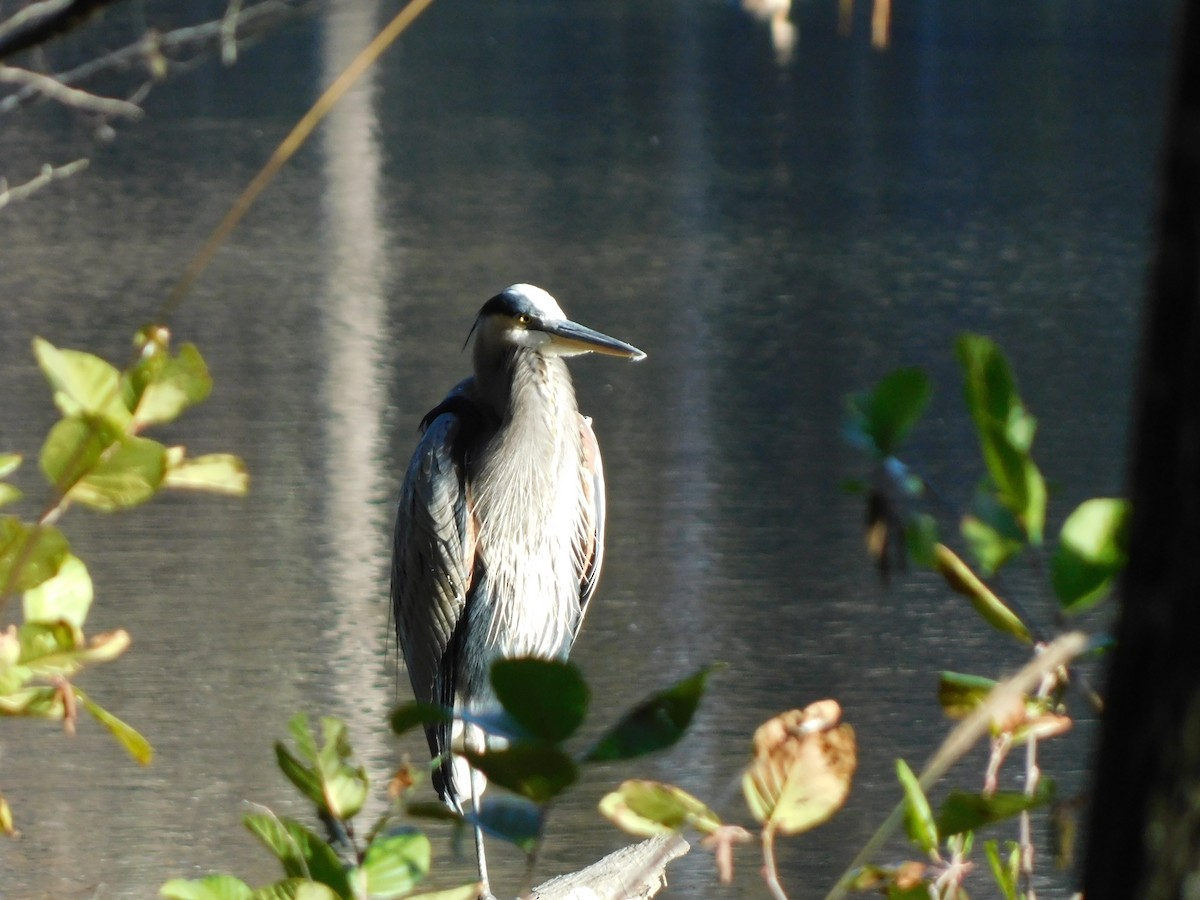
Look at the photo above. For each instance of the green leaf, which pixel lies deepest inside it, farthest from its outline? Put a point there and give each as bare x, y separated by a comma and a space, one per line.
66, 596
962, 812
511, 818
654, 724
294, 889
882, 418
302, 853
303, 777
918, 816
344, 785
74, 447
213, 473
921, 536
647, 808
547, 698
9, 494
538, 772
128, 474
395, 864
1092, 551
964, 581
214, 887
992, 532
84, 385
7, 826
960, 695
164, 386
408, 716
135, 745
9, 463
1005, 431
1006, 873
29, 554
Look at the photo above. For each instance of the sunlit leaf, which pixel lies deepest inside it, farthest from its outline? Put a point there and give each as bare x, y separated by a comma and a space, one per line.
538, 772
29, 554
7, 826
128, 474
395, 864
213, 473
964, 581
1021, 718
84, 385
654, 724
647, 808
511, 818
67, 595
547, 698
73, 448
301, 852
803, 765
213, 887
963, 812
9, 494
344, 785
1006, 431
167, 385
135, 745
900, 882
918, 816
295, 889
1091, 552
35, 702
9, 462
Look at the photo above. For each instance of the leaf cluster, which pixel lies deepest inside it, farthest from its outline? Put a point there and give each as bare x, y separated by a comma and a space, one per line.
96, 457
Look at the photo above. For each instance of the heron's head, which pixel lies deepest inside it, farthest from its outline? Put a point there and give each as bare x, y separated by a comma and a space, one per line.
527, 316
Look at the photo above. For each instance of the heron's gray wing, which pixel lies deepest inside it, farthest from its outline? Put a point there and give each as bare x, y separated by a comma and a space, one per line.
433, 560
590, 525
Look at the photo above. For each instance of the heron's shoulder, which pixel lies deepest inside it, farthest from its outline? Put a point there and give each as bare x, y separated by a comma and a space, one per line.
461, 404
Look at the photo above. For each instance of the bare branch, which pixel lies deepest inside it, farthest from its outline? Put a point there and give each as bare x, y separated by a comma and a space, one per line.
150, 51
638, 870
48, 174
69, 96
42, 22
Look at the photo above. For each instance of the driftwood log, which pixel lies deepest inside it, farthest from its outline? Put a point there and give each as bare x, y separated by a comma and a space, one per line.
636, 871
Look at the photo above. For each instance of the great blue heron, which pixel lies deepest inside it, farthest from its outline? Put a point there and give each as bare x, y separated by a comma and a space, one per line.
500, 528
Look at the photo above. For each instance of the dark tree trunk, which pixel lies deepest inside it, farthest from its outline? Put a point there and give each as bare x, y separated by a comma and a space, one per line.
1145, 824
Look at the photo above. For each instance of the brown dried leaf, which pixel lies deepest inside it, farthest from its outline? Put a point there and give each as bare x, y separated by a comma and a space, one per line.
802, 768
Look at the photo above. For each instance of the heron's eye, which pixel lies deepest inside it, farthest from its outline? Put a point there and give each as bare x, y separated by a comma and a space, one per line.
523, 320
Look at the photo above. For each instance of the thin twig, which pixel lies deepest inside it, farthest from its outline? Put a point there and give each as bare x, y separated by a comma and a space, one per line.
770, 873
1002, 697
42, 22
290, 144
54, 89
48, 174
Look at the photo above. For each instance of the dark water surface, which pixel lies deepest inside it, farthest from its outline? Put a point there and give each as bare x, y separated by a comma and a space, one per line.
773, 238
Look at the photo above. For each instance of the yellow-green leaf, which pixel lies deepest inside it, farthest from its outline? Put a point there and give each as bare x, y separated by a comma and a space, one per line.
126, 476
169, 385
648, 808
74, 447
83, 384
29, 554
394, 864
9, 463
918, 815
964, 581
6, 818
217, 473
135, 745
214, 887
1091, 552
66, 596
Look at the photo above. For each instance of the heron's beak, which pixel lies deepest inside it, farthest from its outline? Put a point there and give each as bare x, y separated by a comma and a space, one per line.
570, 337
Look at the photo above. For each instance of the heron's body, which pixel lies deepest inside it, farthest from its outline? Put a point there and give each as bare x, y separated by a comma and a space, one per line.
500, 528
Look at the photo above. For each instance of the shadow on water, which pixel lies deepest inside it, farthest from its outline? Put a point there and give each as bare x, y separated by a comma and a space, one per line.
773, 238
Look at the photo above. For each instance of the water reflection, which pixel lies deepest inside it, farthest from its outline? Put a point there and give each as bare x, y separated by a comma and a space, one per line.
773, 239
